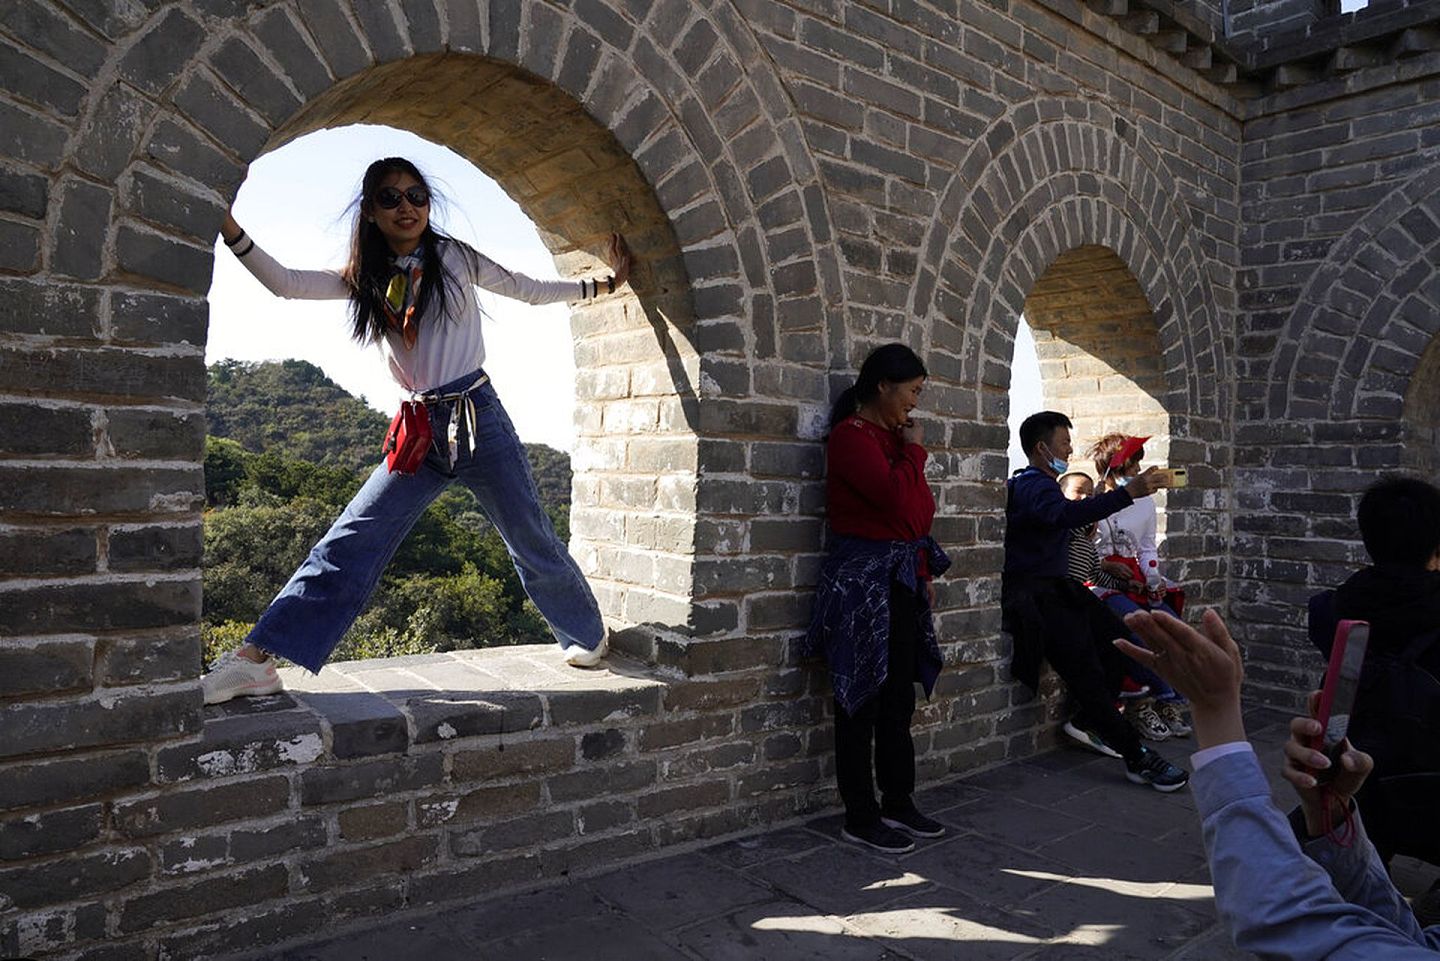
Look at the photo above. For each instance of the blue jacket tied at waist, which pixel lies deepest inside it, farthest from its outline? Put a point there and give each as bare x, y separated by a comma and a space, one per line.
850, 624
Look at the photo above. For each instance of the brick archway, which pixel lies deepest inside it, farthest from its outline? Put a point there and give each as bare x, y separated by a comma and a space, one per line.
1043, 188
978, 259
694, 155
1367, 316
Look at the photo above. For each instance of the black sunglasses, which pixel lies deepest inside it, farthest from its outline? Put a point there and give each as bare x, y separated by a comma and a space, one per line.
389, 197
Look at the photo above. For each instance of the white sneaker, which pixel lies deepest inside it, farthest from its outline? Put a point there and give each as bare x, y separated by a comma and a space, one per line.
1089, 739
234, 676
577, 656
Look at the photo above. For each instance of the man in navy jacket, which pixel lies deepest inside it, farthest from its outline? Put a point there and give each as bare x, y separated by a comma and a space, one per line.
1051, 616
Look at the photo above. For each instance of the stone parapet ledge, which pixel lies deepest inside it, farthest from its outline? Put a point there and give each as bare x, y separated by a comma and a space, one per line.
357, 709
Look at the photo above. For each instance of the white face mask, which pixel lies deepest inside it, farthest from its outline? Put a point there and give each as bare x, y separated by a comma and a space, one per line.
1121, 481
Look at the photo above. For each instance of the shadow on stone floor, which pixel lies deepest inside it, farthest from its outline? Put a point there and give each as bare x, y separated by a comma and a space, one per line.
1054, 857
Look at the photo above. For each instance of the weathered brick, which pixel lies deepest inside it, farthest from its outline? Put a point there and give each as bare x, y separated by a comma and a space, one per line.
245, 931
601, 852
584, 707
244, 744
326, 785
515, 757
286, 44
134, 716
72, 778
109, 371
85, 213
526, 832
159, 257
253, 80
373, 821
473, 882
444, 717
182, 810
170, 204
157, 58
30, 137
99, 606
201, 896
483, 804
337, 39
74, 876
688, 797
50, 832
50, 31
29, 428
24, 194
46, 667
607, 779
175, 146
47, 550
707, 695
19, 246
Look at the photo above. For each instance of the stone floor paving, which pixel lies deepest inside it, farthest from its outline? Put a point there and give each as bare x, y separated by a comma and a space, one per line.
1055, 857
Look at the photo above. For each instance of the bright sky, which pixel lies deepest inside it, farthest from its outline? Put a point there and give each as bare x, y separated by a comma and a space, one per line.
295, 204
1025, 392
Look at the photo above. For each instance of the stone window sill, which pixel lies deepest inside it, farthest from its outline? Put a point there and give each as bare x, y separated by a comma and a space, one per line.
386, 706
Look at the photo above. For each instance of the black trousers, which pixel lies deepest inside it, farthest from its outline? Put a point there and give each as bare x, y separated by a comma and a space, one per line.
1079, 629
880, 728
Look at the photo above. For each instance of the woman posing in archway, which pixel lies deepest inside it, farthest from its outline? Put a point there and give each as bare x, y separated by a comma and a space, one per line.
872, 617
412, 290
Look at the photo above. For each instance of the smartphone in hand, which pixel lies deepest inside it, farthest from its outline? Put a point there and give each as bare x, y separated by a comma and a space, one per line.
1174, 476
1337, 697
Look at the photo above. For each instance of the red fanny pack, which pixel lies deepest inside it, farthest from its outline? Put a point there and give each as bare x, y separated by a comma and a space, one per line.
408, 439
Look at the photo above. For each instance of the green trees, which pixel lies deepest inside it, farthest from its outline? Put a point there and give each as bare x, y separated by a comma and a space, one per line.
451, 584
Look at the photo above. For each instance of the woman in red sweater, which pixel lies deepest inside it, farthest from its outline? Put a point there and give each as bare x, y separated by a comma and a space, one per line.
872, 620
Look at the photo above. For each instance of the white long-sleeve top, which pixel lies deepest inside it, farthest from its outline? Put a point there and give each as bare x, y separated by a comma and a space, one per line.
1130, 532
448, 347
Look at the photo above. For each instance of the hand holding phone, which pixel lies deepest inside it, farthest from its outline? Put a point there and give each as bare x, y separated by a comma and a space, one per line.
1337, 697
1173, 476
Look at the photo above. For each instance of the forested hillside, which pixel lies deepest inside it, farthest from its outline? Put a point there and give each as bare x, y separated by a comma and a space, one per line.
287, 449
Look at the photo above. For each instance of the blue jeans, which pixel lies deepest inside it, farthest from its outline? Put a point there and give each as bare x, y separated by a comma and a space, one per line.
310, 615
1122, 605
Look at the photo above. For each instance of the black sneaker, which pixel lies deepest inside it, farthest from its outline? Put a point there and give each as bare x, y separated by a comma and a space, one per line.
879, 837
1154, 770
913, 823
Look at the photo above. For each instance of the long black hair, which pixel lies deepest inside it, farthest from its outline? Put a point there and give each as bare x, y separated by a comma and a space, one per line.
371, 266
893, 363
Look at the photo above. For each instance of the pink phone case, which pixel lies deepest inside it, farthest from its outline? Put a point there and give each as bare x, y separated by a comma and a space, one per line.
1342, 682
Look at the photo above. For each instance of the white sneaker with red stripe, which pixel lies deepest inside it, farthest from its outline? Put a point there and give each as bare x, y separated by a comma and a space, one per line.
234, 676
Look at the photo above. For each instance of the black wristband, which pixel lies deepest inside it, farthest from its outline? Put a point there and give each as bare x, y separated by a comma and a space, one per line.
238, 237
248, 247
610, 284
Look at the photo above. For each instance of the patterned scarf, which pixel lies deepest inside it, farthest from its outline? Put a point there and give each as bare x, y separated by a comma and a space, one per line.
399, 300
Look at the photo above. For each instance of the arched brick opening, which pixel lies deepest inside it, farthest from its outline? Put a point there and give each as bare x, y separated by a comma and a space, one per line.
1366, 316
1348, 394
1095, 337
636, 362
1071, 195
686, 142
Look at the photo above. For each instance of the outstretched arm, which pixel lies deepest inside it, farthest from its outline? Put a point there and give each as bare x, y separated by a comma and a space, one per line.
277, 278
488, 275
1276, 901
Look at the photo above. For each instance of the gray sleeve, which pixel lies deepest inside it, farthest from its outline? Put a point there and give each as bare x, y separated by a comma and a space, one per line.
1274, 900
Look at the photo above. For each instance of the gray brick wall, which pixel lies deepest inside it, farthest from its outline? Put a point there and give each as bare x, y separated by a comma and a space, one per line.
802, 182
